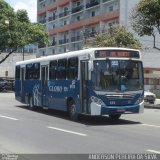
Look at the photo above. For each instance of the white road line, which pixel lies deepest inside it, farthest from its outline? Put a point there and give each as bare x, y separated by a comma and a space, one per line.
150, 125
153, 151
1, 116
63, 130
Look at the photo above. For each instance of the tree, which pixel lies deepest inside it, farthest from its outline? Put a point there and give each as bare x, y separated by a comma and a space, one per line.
18, 31
116, 37
146, 19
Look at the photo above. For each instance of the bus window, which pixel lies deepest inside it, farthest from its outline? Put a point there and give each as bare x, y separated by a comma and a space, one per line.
17, 72
52, 70
61, 70
72, 72
28, 71
33, 71
36, 71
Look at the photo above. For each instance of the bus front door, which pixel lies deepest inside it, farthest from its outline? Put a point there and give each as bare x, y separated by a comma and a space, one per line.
44, 86
83, 86
22, 74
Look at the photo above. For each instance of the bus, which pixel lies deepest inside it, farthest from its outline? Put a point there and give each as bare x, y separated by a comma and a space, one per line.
94, 81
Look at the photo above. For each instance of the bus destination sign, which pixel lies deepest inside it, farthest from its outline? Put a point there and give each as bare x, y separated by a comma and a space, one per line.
116, 53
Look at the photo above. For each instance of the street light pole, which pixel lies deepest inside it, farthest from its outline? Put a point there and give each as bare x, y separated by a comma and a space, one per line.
23, 53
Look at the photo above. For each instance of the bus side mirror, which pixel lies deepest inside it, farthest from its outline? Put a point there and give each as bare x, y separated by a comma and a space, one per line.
90, 65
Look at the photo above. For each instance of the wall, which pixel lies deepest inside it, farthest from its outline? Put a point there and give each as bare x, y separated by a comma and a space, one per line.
9, 63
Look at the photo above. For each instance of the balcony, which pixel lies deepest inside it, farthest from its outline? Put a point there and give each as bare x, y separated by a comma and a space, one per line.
51, 18
41, 45
92, 3
63, 14
77, 38
86, 22
41, 1
42, 21
63, 41
77, 9
106, 1
90, 34
53, 43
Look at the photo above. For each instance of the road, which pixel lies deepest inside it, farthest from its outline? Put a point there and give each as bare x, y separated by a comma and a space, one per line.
48, 132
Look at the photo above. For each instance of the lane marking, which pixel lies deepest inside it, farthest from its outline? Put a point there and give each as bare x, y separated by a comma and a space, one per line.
150, 125
153, 151
1, 116
63, 130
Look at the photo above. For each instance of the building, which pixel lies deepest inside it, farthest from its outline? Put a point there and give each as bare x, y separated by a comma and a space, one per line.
7, 68
151, 66
69, 22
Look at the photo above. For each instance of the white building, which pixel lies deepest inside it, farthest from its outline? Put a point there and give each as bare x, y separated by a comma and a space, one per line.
7, 68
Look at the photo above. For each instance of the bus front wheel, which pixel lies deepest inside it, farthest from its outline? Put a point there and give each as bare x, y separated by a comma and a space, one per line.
72, 110
114, 117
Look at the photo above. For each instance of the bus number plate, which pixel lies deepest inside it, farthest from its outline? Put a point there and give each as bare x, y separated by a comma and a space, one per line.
121, 110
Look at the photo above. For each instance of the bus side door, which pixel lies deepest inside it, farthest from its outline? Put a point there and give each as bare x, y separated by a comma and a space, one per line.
44, 85
22, 77
83, 86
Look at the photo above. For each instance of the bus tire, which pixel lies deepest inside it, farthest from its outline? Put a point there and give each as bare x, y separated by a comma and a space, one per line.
114, 117
31, 105
72, 110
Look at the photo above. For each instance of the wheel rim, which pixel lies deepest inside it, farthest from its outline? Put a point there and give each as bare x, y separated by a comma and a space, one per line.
30, 103
73, 109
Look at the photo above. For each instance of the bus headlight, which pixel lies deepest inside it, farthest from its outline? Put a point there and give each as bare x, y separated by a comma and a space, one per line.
139, 100
97, 100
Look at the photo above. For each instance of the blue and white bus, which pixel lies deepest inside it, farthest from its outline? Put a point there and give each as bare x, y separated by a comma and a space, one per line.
95, 81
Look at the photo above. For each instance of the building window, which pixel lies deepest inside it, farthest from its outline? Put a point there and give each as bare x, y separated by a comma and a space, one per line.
53, 51
65, 22
110, 8
93, 13
151, 81
78, 3
78, 18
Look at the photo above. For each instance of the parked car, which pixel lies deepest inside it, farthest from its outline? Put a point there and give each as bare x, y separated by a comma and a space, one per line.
5, 85
149, 97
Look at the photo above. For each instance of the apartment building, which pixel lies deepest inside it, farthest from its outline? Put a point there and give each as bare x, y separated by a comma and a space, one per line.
70, 22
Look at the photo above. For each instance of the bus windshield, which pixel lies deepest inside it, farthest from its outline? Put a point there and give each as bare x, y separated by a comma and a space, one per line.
117, 75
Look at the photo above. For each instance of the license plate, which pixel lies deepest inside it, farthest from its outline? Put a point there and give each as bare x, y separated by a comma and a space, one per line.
121, 110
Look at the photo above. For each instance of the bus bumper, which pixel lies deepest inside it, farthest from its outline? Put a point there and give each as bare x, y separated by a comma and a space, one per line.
97, 109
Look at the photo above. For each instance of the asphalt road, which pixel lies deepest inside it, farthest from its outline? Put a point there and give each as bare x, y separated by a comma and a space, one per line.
49, 132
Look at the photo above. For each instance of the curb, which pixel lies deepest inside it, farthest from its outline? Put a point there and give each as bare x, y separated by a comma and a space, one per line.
157, 106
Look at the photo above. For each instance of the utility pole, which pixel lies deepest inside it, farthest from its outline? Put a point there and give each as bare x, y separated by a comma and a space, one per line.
23, 53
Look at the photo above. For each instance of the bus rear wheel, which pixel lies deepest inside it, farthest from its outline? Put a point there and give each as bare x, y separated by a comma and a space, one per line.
31, 105
114, 117
72, 110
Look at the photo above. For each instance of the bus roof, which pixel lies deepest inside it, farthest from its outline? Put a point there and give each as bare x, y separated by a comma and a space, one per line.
69, 54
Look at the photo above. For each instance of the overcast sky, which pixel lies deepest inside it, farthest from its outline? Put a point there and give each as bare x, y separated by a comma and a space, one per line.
29, 5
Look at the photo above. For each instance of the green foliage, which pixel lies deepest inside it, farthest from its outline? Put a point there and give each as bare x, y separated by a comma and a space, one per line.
18, 31
146, 18
117, 37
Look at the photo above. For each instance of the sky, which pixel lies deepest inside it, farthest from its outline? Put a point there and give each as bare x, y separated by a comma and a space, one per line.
29, 5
